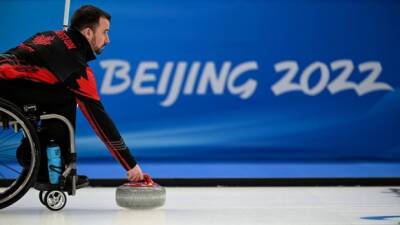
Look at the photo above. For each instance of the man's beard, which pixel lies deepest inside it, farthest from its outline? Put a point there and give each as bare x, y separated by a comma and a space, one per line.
98, 51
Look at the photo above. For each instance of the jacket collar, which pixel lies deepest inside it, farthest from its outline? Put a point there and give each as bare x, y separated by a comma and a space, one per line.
82, 44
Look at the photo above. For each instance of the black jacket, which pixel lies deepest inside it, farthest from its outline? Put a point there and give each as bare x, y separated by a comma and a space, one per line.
61, 57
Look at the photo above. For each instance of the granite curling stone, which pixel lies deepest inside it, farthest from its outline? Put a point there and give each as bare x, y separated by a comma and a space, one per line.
145, 194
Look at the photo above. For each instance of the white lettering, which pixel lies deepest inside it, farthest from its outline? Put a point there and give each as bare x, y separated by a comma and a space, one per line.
248, 88
181, 78
176, 85
162, 85
194, 70
210, 76
121, 69
369, 84
323, 81
341, 83
142, 77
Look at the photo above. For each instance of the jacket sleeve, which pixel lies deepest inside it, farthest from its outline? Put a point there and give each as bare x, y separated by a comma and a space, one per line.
84, 86
105, 129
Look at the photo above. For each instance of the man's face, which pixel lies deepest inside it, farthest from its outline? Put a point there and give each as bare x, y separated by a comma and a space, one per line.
99, 37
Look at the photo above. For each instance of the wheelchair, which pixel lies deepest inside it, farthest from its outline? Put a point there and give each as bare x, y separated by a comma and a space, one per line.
17, 177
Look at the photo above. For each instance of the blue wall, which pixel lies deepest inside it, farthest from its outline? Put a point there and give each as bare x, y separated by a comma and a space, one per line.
241, 84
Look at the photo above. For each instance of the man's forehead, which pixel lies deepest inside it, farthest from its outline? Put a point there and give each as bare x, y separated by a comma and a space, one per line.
104, 23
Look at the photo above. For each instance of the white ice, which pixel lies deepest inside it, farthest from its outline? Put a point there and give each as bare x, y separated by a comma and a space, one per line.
220, 205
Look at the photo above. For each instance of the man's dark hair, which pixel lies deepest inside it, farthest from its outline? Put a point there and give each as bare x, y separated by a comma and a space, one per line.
88, 16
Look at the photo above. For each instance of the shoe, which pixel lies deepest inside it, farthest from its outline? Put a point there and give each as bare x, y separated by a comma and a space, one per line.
81, 182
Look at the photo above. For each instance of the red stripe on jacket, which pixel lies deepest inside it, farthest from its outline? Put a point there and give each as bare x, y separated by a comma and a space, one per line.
101, 134
33, 73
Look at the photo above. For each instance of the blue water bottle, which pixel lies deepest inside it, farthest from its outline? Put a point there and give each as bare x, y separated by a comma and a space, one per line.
54, 162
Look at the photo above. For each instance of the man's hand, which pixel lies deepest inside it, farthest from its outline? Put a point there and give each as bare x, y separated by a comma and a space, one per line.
135, 174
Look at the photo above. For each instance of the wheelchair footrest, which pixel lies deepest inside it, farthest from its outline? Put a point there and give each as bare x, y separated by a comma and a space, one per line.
82, 181
47, 186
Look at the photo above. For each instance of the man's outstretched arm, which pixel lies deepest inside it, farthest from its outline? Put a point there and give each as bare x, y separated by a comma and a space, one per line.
105, 129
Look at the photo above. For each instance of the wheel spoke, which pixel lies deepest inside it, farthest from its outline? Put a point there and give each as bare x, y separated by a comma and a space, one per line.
2, 133
8, 147
10, 168
5, 155
8, 138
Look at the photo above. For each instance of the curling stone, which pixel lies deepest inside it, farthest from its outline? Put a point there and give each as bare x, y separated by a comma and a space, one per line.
144, 194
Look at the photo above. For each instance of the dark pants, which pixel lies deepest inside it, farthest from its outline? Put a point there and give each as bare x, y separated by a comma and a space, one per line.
49, 99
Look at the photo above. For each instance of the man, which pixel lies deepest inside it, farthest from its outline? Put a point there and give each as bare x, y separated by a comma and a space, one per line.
51, 71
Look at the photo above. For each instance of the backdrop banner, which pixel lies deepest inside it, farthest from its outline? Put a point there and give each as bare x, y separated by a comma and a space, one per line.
253, 81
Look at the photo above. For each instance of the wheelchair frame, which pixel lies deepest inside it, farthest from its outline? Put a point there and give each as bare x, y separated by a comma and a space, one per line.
71, 167
51, 195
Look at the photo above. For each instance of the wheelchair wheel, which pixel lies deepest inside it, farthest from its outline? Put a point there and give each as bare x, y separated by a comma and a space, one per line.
17, 174
55, 200
42, 194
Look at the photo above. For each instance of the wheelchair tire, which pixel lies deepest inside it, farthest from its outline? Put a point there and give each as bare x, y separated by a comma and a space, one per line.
55, 200
42, 194
14, 188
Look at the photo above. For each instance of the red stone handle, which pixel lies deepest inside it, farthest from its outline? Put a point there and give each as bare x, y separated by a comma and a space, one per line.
147, 179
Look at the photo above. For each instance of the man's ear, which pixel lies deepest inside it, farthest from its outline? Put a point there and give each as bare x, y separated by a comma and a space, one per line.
87, 32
